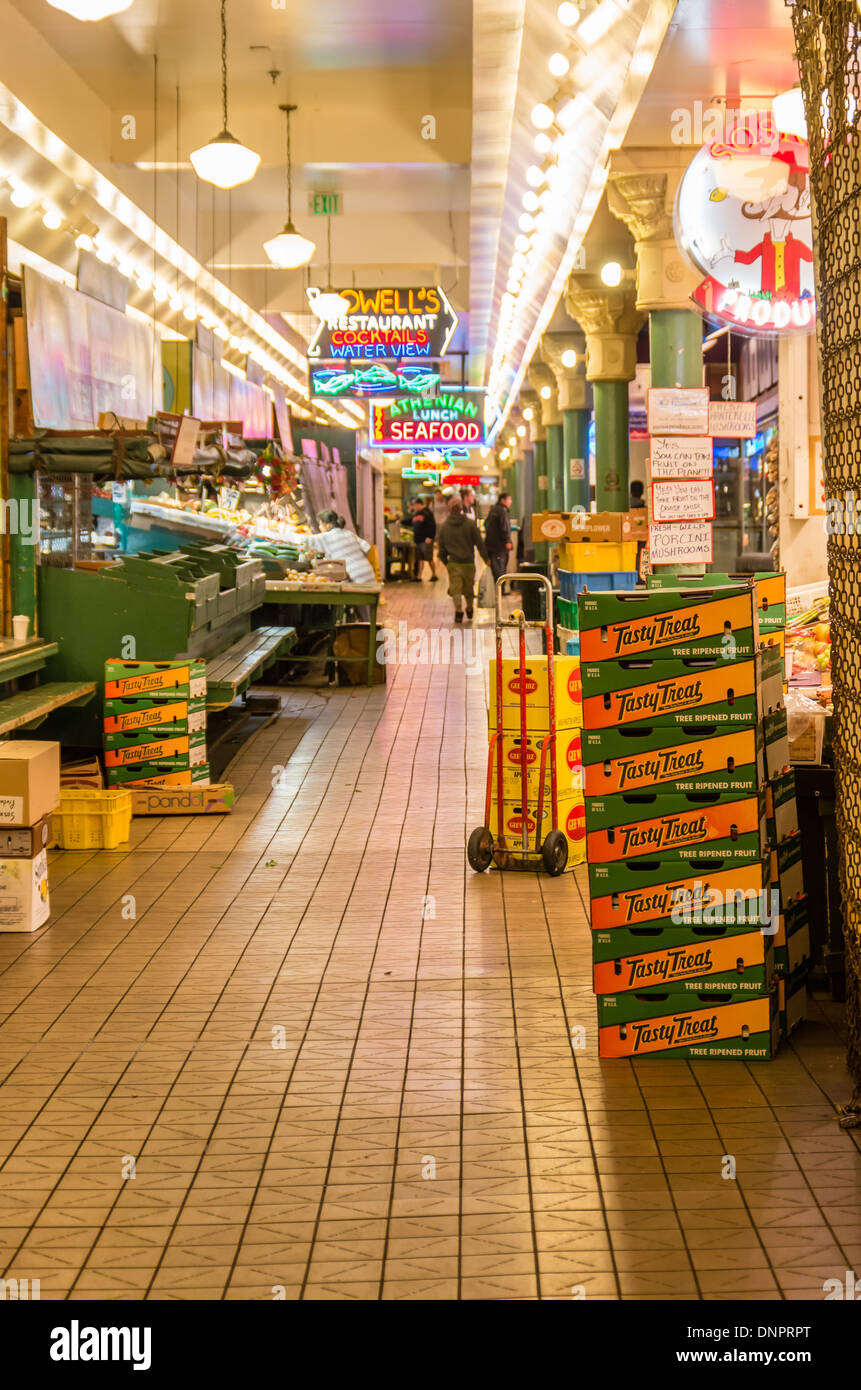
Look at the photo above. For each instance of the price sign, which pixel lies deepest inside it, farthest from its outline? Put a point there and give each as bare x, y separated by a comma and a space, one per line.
732, 419
680, 543
681, 458
683, 499
678, 410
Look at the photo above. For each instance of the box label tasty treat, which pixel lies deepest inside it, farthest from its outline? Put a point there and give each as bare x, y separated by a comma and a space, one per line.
770, 591
688, 1025
649, 690
165, 716
673, 759
699, 958
629, 825
668, 623
680, 894
124, 679
146, 748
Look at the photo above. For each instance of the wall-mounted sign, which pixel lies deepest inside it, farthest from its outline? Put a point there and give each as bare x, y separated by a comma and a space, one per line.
386, 325
681, 543
430, 475
743, 217
681, 458
683, 499
732, 419
376, 380
460, 480
678, 410
451, 418
325, 204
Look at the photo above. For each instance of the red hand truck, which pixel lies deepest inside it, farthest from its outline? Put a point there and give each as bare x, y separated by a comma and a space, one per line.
482, 850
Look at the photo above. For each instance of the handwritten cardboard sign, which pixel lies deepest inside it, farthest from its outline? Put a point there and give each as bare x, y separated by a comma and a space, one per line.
683, 499
681, 458
678, 410
680, 543
732, 419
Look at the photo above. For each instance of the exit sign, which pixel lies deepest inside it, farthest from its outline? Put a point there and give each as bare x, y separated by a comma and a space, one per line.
324, 204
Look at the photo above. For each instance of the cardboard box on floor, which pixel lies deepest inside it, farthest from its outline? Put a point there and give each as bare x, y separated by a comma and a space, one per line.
24, 902
695, 1024
215, 799
591, 526
27, 841
29, 780
682, 959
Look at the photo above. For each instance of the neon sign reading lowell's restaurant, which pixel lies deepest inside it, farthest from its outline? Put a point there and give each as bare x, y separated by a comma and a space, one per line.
386, 325
449, 418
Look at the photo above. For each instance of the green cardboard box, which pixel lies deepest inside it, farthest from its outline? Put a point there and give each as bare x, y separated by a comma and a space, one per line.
683, 892
682, 959
770, 592
653, 690
676, 825
690, 1024
668, 623
683, 759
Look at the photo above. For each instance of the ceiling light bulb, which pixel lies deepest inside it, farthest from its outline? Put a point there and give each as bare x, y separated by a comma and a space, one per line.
104, 252
221, 332
534, 176
526, 222
190, 312
543, 142
52, 219
569, 358
568, 14
225, 162
126, 267
546, 393
522, 243
160, 291
21, 195
611, 274
234, 342
542, 116
558, 64
84, 242
530, 201
521, 431
528, 413
91, 10
176, 303
288, 250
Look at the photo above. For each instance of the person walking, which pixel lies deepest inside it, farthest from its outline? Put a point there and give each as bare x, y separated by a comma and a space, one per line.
467, 500
458, 541
497, 535
424, 534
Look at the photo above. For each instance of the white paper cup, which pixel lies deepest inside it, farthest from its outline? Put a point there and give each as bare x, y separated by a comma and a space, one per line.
20, 627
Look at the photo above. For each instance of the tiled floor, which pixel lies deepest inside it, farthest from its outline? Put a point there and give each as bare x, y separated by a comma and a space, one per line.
339, 1064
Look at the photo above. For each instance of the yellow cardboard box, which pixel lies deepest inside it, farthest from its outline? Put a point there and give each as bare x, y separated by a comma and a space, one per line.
567, 692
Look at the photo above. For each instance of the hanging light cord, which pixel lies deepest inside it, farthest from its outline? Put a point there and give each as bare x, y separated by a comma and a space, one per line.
224, 60
288, 109
329, 236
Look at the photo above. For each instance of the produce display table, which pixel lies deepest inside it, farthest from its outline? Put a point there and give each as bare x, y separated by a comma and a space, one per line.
231, 673
281, 592
21, 709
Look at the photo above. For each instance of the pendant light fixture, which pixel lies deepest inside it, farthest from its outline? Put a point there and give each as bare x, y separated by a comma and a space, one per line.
92, 10
328, 304
288, 250
224, 161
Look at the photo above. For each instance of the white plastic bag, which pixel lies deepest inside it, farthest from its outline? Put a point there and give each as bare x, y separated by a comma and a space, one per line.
486, 589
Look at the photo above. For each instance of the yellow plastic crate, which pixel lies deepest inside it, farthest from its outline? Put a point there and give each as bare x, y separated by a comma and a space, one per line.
597, 557
93, 819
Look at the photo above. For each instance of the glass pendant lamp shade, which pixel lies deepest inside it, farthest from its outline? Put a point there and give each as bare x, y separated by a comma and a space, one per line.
224, 161
329, 305
289, 249
91, 9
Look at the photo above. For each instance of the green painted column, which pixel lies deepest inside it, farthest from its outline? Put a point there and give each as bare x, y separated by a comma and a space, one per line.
611, 445
676, 347
555, 472
575, 451
23, 557
539, 495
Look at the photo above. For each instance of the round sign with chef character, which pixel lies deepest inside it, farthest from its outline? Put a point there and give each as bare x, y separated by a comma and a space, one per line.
743, 217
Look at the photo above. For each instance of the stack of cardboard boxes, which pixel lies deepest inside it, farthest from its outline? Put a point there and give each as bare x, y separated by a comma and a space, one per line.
155, 723
519, 758
29, 794
684, 742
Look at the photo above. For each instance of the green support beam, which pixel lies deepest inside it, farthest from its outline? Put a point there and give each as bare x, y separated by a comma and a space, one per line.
575, 455
676, 347
555, 478
539, 496
611, 445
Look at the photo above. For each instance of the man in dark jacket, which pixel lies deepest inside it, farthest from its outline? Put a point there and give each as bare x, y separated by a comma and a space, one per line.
497, 534
459, 539
424, 533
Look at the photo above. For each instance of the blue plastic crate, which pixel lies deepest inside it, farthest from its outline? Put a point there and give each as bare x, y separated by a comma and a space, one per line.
573, 582
572, 646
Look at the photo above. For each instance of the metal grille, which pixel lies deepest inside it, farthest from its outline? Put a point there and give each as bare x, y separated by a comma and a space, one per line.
65, 518
828, 44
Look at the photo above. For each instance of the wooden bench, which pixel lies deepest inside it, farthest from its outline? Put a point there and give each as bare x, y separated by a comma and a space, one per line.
231, 673
26, 709
24, 658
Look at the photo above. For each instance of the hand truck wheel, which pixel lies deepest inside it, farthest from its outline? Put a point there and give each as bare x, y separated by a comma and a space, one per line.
554, 853
479, 849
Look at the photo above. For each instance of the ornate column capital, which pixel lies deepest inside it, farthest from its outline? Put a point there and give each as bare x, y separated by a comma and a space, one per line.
540, 378
611, 321
570, 381
642, 198
530, 400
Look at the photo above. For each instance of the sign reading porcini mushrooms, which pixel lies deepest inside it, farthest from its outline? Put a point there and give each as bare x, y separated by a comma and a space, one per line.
743, 217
